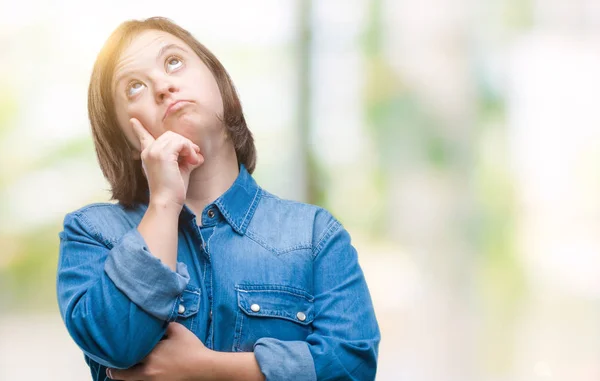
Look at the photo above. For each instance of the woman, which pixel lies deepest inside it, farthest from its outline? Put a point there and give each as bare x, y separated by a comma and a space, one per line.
197, 273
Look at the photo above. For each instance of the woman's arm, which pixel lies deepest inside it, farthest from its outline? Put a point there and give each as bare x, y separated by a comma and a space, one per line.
159, 230
115, 301
236, 367
167, 162
182, 357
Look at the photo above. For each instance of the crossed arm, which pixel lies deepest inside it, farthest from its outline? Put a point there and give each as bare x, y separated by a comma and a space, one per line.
181, 356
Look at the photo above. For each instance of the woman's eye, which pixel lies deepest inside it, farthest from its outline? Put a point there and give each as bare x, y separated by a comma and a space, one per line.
134, 88
173, 63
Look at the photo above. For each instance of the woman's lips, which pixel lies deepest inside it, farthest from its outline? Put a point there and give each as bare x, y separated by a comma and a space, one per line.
175, 106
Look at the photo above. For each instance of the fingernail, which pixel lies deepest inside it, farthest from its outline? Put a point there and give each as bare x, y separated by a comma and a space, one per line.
109, 373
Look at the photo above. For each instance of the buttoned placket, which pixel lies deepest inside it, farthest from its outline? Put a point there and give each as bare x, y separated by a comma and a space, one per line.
205, 232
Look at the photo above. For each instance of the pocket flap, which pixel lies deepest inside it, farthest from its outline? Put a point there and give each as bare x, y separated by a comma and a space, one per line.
190, 301
276, 301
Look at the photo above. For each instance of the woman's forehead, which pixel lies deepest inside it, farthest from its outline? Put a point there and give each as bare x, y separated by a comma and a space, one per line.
148, 42
144, 48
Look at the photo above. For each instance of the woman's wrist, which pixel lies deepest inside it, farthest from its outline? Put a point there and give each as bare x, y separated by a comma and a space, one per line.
158, 227
231, 366
163, 206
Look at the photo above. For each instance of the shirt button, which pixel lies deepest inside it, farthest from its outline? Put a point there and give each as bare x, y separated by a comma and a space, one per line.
210, 314
210, 213
255, 307
181, 309
301, 316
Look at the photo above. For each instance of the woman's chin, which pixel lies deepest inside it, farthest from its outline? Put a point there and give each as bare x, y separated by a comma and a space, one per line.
183, 123
192, 126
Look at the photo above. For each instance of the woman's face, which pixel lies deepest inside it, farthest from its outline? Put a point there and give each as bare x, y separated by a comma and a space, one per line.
160, 81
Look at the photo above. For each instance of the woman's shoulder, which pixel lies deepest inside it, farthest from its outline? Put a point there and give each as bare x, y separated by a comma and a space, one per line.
272, 204
107, 210
103, 220
300, 219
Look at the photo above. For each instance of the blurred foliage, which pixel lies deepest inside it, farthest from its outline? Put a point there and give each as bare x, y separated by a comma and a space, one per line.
380, 105
517, 14
8, 108
28, 259
407, 133
29, 271
404, 130
500, 277
317, 181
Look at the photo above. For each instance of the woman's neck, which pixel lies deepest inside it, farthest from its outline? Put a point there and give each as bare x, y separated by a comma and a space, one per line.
213, 178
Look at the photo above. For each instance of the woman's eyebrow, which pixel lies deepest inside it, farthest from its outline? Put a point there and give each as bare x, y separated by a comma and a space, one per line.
165, 48
161, 52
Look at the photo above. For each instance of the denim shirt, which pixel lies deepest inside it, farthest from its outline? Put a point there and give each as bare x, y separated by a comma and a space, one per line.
262, 274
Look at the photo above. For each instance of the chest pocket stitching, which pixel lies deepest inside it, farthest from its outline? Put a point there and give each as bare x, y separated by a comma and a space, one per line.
275, 301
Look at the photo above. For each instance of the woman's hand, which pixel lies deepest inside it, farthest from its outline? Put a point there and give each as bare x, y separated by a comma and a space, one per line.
168, 162
179, 357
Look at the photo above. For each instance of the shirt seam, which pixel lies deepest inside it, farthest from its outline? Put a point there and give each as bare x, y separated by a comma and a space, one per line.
332, 228
255, 238
90, 228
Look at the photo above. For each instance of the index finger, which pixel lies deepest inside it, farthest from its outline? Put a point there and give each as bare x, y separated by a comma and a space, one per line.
142, 134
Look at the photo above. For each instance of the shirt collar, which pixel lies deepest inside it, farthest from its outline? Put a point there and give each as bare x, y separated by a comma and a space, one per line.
238, 203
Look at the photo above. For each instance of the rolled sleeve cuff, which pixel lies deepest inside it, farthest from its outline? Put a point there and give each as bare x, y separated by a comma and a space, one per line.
144, 279
279, 359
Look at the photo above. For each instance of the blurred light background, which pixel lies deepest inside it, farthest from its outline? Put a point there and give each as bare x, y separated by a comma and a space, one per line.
458, 141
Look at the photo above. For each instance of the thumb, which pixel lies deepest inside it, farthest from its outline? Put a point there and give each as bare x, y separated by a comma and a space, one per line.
173, 328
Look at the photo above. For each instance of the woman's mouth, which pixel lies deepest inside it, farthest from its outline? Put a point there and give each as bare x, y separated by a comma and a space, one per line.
174, 107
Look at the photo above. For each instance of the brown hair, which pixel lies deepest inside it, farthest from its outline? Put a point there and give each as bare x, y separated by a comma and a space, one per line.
123, 172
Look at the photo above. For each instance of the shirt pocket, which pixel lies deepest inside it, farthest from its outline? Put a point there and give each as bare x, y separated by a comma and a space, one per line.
275, 311
187, 307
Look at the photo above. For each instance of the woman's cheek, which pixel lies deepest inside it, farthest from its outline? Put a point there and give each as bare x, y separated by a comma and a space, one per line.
138, 111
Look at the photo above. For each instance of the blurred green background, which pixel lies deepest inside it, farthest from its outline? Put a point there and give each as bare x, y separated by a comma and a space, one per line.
457, 141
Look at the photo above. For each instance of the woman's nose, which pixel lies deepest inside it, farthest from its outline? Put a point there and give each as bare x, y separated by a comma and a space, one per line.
164, 89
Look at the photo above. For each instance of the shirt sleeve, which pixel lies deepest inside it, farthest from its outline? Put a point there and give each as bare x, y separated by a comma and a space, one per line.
115, 302
345, 338
143, 278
